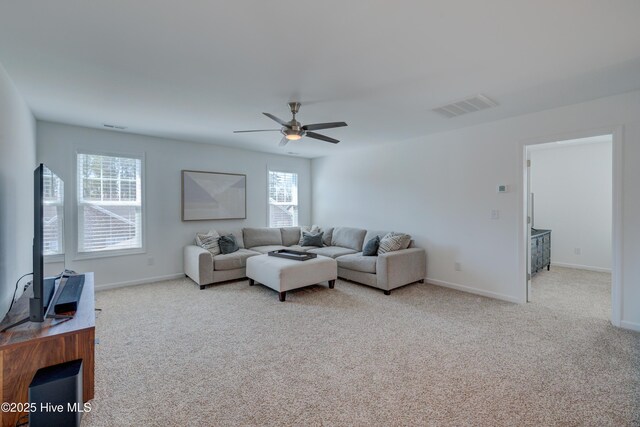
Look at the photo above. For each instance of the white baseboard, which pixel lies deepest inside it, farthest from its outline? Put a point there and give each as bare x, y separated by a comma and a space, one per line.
476, 291
630, 325
106, 286
581, 267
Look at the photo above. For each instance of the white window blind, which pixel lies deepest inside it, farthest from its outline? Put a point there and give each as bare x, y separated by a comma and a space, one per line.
53, 214
283, 199
109, 203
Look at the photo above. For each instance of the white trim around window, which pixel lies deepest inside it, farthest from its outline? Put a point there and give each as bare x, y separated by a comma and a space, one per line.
140, 217
53, 259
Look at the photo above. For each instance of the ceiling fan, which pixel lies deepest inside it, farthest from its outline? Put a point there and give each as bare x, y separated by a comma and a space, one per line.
294, 130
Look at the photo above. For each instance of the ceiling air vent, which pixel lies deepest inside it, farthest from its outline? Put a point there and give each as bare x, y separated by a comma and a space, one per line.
468, 105
114, 127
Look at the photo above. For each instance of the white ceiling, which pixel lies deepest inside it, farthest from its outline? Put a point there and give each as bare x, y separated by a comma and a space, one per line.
197, 70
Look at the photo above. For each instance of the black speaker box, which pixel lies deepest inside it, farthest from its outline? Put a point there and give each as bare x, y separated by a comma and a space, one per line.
56, 392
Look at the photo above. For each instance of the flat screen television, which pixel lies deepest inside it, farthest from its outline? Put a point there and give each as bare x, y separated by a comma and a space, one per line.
48, 241
48, 211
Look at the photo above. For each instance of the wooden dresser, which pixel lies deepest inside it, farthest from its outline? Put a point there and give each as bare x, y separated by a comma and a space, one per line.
31, 346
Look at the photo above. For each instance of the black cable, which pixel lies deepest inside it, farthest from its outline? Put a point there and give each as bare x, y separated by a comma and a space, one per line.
16, 290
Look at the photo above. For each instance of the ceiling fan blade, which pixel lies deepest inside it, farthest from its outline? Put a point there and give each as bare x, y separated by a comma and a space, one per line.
318, 126
272, 117
321, 137
257, 130
283, 141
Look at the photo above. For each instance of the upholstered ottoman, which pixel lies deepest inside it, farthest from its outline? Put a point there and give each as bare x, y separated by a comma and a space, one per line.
282, 275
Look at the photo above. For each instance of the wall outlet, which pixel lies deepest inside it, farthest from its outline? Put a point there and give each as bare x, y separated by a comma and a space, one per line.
457, 266
577, 251
151, 261
502, 188
495, 214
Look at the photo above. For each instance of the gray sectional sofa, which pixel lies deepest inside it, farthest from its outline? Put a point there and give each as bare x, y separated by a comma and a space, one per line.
386, 271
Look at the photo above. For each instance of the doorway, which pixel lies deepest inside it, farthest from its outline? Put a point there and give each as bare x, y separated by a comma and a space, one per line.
571, 221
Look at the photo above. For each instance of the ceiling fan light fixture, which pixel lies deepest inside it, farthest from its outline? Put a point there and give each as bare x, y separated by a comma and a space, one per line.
292, 134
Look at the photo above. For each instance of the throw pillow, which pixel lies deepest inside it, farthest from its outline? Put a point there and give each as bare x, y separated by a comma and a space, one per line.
371, 247
309, 229
228, 244
309, 239
406, 241
209, 241
328, 234
393, 242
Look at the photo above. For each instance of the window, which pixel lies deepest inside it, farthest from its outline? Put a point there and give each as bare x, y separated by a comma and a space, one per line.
283, 199
109, 203
53, 214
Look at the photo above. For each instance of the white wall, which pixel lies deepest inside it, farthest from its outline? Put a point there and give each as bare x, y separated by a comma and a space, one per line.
17, 162
442, 188
166, 234
573, 196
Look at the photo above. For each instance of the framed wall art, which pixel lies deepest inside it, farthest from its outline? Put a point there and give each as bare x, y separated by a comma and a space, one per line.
213, 195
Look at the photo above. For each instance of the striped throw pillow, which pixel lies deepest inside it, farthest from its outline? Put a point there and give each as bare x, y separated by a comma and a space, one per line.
393, 242
209, 241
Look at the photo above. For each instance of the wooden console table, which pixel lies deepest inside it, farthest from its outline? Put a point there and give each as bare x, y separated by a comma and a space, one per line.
31, 346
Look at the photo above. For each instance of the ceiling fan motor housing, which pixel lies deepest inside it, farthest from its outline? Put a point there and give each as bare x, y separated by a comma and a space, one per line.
293, 131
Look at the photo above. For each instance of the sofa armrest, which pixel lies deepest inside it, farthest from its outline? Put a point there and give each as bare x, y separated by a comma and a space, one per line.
399, 268
198, 264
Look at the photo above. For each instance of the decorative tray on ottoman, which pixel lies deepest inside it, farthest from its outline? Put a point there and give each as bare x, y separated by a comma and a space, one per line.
291, 254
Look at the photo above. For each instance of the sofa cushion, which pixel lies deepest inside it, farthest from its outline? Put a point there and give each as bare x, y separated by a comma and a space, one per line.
373, 233
332, 251
348, 237
228, 244
309, 229
261, 237
311, 239
290, 235
232, 261
268, 248
393, 242
371, 247
237, 233
358, 262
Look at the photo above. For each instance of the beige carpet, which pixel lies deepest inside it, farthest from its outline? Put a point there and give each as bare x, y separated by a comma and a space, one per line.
171, 354
579, 292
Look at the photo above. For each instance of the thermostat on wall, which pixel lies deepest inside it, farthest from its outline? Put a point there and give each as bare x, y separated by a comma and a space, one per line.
503, 188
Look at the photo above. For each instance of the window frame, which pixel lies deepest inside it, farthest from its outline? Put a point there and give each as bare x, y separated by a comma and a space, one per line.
59, 256
78, 256
280, 170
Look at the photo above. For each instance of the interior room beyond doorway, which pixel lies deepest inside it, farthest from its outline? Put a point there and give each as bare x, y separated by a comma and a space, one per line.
571, 205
